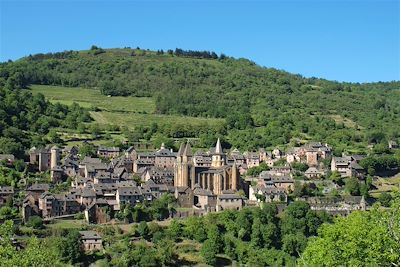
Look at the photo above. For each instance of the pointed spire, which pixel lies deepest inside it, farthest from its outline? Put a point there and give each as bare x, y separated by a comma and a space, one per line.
188, 150
218, 148
181, 148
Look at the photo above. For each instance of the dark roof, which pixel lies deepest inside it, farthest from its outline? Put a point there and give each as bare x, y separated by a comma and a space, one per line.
6, 190
230, 196
89, 235
39, 187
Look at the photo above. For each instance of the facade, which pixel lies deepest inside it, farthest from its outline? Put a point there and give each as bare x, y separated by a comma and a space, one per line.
229, 201
108, 152
313, 173
347, 166
6, 194
216, 178
91, 241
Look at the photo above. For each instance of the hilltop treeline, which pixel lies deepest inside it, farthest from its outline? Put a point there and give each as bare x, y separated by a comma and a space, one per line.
262, 106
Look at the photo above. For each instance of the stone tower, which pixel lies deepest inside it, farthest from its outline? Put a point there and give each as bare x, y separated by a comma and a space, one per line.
182, 167
234, 176
54, 155
218, 158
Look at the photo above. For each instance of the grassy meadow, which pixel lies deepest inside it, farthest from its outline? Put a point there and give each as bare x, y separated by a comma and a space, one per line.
117, 110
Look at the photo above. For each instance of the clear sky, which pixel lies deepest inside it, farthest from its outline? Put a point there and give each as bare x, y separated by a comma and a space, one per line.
355, 40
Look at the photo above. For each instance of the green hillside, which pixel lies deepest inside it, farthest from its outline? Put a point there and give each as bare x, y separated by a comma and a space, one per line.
260, 106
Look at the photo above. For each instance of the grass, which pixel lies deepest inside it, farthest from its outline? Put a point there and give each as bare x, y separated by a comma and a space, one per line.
117, 110
66, 224
135, 119
386, 185
93, 98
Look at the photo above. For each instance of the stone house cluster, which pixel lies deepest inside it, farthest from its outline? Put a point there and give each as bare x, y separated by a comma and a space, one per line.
272, 186
203, 181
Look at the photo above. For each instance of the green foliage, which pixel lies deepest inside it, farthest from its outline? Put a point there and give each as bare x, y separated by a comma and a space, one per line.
39, 253
70, 247
380, 163
254, 171
362, 237
35, 222
385, 199
25, 116
262, 106
143, 230
352, 186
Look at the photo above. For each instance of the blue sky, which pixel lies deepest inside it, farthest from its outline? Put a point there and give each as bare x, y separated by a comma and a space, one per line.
357, 41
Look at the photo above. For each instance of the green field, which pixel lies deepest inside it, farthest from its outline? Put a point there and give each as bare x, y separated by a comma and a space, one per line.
93, 98
123, 111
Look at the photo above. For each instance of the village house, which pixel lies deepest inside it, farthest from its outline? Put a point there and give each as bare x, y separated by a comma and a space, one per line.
6, 195
204, 199
91, 241
348, 166
159, 176
393, 145
279, 179
36, 190
184, 196
267, 192
313, 173
108, 152
252, 159
229, 201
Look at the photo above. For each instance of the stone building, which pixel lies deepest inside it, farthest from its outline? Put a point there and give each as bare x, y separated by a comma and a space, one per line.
217, 177
91, 241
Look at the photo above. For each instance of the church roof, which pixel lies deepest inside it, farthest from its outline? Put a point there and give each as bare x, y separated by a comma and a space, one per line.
180, 151
218, 147
188, 150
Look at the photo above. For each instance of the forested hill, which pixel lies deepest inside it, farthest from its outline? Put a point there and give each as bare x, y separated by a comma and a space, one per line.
262, 106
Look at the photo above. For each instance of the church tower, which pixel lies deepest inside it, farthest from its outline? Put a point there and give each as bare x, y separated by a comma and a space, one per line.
218, 158
182, 165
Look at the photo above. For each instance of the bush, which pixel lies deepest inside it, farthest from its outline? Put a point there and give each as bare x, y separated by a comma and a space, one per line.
35, 222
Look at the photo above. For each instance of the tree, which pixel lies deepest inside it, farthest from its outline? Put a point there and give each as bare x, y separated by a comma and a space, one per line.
336, 177
166, 252
71, 250
257, 234
352, 186
35, 222
143, 230
294, 244
209, 252
175, 230
362, 237
244, 223
385, 199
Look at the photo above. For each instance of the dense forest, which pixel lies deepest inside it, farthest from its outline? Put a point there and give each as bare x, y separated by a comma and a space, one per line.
262, 106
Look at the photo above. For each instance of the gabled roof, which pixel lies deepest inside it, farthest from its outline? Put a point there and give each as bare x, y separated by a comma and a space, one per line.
89, 235
181, 148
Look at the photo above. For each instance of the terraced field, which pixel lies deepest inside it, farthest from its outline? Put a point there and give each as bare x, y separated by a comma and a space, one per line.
123, 111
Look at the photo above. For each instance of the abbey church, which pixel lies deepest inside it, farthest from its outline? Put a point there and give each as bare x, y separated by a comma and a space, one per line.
208, 171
